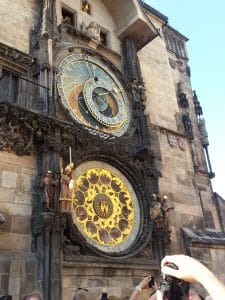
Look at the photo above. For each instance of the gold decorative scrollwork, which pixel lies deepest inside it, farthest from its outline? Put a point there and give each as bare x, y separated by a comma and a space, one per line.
103, 207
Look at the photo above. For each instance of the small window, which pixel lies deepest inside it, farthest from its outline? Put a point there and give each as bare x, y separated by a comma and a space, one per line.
9, 87
68, 17
104, 37
86, 7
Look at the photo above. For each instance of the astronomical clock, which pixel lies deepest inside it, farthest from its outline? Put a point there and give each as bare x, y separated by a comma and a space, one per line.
106, 211
93, 95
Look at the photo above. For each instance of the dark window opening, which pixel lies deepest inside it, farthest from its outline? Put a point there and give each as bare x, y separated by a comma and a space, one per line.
103, 37
86, 7
9, 87
67, 17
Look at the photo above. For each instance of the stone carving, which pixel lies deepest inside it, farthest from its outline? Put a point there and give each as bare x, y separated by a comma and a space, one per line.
203, 132
66, 189
93, 31
187, 124
181, 66
172, 63
48, 19
178, 118
49, 186
156, 211
160, 214
182, 98
166, 208
147, 252
15, 55
14, 134
69, 248
138, 91
172, 140
181, 143
198, 108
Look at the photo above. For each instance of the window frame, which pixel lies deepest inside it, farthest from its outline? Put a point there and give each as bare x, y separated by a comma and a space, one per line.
107, 33
71, 11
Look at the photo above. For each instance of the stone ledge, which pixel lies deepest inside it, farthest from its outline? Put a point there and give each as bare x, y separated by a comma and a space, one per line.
204, 238
89, 261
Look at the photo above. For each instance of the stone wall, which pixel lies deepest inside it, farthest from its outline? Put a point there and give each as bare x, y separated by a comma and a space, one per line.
17, 265
213, 258
188, 192
115, 279
17, 21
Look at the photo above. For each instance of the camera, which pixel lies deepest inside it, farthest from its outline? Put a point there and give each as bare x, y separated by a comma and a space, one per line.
173, 288
104, 296
151, 282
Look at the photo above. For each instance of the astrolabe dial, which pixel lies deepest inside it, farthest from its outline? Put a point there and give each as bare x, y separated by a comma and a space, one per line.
93, 95
105, 208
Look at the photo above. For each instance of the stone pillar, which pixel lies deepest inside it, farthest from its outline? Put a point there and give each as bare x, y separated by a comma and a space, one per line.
47, 232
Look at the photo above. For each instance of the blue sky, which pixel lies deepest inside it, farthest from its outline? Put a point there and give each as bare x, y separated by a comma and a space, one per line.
203, 22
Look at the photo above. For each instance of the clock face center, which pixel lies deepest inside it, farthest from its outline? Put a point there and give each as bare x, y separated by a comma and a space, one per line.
105, 102
103, 206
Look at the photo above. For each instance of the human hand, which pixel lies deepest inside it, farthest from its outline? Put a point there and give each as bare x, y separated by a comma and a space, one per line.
144, 284
159, 295
189, 269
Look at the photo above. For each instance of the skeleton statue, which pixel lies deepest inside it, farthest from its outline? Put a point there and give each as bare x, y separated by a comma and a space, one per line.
156, 212
166, 208
160, 212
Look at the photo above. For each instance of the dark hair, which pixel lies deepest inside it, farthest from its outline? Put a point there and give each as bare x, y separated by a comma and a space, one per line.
33, 294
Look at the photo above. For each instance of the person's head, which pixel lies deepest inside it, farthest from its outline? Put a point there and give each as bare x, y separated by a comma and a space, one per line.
33, 296
49, 174
193, 295
81, 294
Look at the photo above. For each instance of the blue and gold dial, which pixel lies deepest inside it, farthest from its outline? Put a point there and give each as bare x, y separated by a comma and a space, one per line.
93, 95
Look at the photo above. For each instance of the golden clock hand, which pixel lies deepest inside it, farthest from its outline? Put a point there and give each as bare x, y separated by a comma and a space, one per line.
102, 94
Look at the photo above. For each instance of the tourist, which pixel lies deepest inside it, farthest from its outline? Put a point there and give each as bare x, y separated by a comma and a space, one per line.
191, 270
33, 296
81, 294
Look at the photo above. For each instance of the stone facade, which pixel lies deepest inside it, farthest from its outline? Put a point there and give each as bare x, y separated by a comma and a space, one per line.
162, 155
17, 261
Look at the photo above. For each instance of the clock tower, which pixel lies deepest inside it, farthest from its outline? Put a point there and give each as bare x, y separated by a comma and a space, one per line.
104, 164
95, 140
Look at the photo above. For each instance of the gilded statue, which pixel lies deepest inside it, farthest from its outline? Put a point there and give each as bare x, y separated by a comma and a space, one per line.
67, 184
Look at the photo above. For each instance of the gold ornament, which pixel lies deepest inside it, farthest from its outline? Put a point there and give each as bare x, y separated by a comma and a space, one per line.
102, 207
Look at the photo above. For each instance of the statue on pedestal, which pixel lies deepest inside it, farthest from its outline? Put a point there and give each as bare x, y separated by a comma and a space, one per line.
166, 208
156, 211
49, 185
67, 184
93, 31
